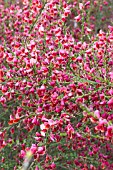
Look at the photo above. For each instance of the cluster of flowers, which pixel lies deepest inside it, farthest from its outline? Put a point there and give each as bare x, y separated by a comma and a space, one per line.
56, 87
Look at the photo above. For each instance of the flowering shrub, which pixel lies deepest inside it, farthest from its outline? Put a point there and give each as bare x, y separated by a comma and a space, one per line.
56, 86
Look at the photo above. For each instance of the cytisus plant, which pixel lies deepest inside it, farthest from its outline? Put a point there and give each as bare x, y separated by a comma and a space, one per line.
56, 85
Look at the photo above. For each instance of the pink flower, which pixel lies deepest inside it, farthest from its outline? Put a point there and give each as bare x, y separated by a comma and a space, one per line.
33, 148
36, 168
41, 29
81, 6
1, 74
32, 61
41, 150
22, 154
101, 125
78, 18
110, 103
111, 75
111, 92
109, 132
53, 166
87, 3
97, 114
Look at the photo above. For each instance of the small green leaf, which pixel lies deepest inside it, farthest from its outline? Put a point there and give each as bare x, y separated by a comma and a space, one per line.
63, 134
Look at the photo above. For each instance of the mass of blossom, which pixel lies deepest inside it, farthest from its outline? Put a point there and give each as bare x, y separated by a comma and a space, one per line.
56, 85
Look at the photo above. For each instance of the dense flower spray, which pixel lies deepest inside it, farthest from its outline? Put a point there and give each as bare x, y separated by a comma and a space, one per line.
56, 86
